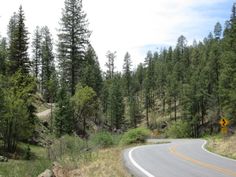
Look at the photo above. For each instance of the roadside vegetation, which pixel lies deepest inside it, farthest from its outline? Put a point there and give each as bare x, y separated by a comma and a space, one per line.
77, 156
223, 145
23, 164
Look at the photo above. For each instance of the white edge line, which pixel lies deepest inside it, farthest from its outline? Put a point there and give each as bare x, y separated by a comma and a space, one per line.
137, 165
217, 155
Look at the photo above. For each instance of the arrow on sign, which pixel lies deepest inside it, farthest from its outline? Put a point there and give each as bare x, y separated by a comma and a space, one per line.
224, 122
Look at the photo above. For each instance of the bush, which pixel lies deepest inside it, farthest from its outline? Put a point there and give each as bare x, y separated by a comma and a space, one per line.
179, 129
66, 145
102, 139
137, 135
27, 153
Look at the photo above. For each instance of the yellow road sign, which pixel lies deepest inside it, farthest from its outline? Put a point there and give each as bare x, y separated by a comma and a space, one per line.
224, 122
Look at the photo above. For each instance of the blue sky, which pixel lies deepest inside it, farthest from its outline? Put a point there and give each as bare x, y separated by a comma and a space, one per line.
135, 26
199, 28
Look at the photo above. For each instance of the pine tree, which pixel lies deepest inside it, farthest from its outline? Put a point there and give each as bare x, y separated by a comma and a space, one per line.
134, 111
3, 56
149, 84
18, 37
37, 53
18, 119
91, 72
110, 64
48, 67
127, 73
218, 30
115, 103
64, 121
140, 75
73, 39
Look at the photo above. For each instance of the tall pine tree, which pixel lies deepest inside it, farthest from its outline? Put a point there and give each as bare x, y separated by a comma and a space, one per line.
18, 37
37, 53
73, 39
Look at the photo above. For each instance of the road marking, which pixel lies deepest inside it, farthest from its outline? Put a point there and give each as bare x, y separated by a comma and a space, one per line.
137, 165
200, 163
217, 155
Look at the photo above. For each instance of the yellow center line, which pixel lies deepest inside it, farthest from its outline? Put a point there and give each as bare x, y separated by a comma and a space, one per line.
200, 163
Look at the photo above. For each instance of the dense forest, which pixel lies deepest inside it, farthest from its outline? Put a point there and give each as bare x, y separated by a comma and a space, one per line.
194, 84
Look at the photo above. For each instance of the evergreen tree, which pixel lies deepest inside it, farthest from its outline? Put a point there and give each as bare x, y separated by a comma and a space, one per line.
134, 111
91, 73
37, 53
149, 84
127, 73
110, 64
18, 119
64, 122
18, 37
73, 39
48, 68
115, 103
3, 56
218, 30
140, 75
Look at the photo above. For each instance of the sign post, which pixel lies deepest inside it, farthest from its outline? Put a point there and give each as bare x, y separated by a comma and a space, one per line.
224, 122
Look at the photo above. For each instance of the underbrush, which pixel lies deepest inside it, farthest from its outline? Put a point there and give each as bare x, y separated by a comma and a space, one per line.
72, 151
102, 139
179, 129
99, 155
26, 168
133, 136
223, 145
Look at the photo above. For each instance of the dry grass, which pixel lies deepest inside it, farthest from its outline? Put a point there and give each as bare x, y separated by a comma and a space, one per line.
107, 164
225, 146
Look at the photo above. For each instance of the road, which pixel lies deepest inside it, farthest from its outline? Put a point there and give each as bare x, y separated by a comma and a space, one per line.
44, 113
179, 158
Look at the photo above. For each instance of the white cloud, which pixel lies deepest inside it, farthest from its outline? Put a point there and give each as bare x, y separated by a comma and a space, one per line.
124, 25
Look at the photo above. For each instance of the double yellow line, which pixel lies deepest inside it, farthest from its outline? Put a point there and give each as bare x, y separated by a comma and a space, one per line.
200, 163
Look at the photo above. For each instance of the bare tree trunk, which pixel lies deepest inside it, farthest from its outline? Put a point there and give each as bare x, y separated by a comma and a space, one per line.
147, 119
164, 105
175, 109
51, 118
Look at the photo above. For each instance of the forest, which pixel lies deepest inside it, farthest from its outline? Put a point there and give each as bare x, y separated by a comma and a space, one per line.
191, 85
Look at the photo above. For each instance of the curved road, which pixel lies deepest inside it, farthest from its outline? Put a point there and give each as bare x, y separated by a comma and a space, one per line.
179, 158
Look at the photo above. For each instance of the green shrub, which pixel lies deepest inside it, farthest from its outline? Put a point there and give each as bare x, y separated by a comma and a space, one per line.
179, 129
102, 139
137, 135
66, 145
27, 153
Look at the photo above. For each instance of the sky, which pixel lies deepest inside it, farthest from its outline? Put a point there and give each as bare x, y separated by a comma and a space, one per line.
133, 26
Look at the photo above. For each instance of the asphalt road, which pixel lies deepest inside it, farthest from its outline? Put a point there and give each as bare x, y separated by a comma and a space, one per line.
179, 158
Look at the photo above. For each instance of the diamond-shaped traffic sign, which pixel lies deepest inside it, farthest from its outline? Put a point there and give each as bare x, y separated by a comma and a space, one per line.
224, 122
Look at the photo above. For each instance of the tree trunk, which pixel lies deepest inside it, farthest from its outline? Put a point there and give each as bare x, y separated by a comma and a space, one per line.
175, 109
72, 79
147, 119
164, 105
51, 118
84, 126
